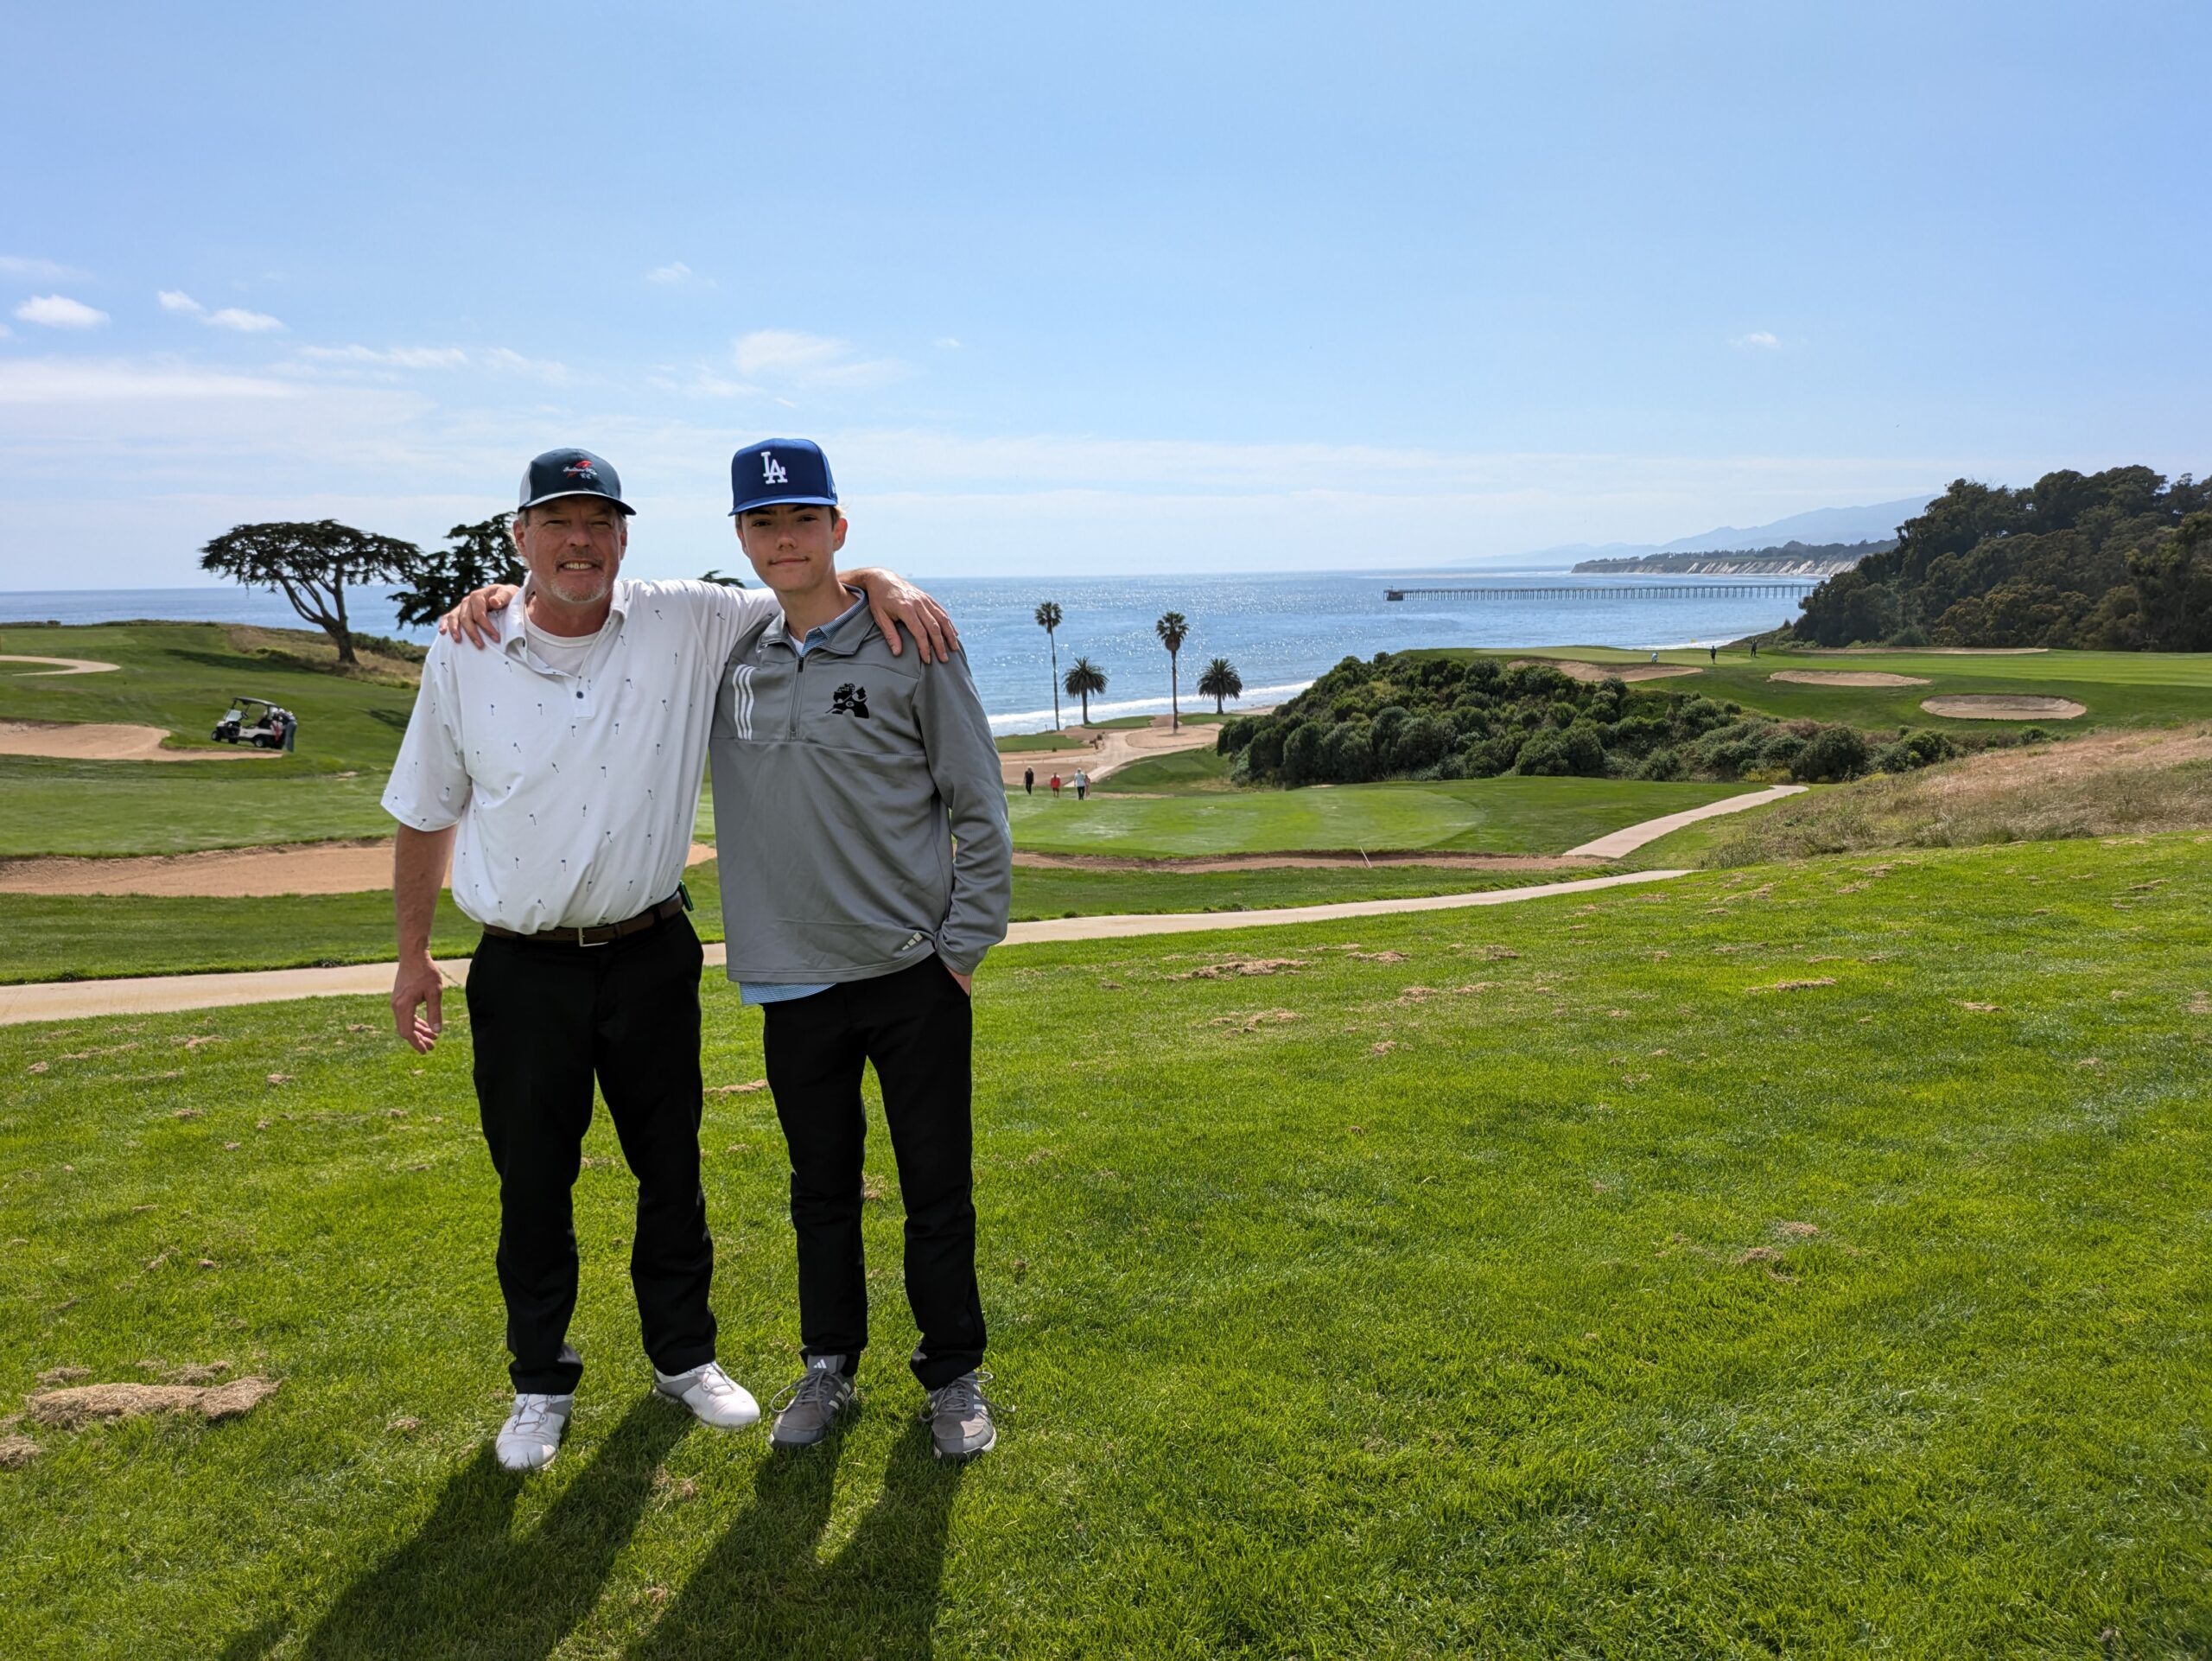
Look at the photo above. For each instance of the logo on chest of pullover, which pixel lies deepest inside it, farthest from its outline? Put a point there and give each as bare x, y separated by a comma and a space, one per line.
849, 700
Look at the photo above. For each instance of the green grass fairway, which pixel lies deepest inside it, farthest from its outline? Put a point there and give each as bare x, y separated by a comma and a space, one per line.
90, 937
180, 807
1023, 741
1177, 771
1499, 816
1803, 1261
2118, 688
177, 676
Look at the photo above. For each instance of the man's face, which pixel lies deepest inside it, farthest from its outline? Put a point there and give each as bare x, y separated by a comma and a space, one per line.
574, 547
793, 545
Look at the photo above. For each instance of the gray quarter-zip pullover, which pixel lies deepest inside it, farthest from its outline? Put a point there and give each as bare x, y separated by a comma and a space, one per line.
858, 802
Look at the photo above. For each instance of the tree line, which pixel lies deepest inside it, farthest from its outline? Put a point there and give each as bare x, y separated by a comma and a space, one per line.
315, 564
1219, 682
1412, 714
2117, 561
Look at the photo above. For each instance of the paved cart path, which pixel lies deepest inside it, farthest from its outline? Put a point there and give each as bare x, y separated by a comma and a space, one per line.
163, 994
1622, 843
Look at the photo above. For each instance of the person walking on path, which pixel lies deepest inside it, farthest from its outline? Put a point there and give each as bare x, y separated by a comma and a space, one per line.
879, 869
1029, 781
1056, 786
559, 775
1082, 784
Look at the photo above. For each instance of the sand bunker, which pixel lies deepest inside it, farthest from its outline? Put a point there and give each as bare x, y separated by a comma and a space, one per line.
97, 741
1996, 707
1576, 669
70, 1410
61, 665
234, 873
1846, 678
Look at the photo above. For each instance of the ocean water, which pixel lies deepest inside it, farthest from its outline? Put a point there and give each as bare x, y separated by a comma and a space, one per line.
1279, 631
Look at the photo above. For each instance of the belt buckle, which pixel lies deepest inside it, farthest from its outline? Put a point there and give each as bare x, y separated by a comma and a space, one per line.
583, 944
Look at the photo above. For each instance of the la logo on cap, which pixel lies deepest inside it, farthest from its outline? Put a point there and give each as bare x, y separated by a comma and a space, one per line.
772, 470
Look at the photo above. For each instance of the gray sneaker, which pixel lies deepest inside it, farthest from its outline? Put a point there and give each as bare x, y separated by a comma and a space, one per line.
959, 1416
805, 1412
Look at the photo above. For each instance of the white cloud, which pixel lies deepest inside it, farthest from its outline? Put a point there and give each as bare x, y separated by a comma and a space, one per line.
949, 342
797, 358
1758, 341
244, 321
58, 311
231, 317
101, 381
677, 275
397, 357
39, 270
543, 368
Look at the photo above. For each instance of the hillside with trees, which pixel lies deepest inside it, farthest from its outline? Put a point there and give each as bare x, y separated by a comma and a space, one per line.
2115, 561
1788, 559
1418, 715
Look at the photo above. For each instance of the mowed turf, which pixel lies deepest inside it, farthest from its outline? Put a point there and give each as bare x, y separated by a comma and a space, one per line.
1505, 815
179, 677
1797, 1261
2116, 688
86, 937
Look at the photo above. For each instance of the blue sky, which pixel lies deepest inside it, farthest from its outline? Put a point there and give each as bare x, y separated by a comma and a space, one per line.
1121, 288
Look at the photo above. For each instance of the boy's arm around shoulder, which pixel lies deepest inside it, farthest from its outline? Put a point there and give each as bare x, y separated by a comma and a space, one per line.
963, 762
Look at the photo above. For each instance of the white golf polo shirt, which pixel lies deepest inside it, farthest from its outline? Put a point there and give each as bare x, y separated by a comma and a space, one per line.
574, 792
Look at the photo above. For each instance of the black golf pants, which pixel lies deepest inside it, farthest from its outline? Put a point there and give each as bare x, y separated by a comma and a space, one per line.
549, 1019
917, 1027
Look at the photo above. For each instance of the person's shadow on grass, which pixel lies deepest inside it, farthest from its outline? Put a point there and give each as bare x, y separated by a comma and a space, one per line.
464, 1585
760, 1592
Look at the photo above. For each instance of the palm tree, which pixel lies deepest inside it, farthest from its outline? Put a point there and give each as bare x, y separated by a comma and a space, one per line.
1048, 619
1220, 681
1172, 628
1085, 677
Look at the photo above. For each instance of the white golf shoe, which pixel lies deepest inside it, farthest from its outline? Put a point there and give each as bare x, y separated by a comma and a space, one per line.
711, 1393
532, 1433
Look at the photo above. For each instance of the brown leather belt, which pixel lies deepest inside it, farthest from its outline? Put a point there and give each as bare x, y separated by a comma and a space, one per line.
598, 933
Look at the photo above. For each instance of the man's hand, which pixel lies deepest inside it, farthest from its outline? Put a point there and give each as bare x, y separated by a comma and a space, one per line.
419, 859
894, 600
417, 1012
473, 617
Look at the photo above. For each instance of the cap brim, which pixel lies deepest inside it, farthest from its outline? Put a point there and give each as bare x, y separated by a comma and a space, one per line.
778, 501
562, 495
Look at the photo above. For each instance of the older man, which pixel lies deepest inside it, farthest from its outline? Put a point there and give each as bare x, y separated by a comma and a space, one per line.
559, 775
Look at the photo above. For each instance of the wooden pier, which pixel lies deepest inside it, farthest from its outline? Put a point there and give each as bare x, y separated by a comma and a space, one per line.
1792, 591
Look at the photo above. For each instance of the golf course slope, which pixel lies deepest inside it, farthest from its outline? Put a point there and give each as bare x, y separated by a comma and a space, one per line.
1799, 1259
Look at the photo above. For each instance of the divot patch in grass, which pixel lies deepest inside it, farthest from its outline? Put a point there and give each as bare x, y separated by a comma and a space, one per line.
82, 1405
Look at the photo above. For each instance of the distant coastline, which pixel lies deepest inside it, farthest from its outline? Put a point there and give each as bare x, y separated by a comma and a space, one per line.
1791, 559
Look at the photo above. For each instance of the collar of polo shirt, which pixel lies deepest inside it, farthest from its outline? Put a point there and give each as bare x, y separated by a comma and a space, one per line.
517, 613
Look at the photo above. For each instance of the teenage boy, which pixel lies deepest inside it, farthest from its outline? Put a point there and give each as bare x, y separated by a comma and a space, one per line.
863, 795
558, 775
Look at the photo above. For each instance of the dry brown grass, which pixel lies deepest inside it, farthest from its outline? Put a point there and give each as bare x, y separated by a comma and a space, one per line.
315, 651
2111, 784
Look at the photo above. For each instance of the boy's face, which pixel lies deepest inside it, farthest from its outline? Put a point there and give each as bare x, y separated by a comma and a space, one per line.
793, 545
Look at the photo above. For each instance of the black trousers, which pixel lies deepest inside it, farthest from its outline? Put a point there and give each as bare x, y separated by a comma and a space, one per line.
917, 1027
549, 1019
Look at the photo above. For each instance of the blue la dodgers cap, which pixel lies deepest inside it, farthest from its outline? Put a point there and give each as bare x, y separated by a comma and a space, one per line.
571, 473
780, 470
